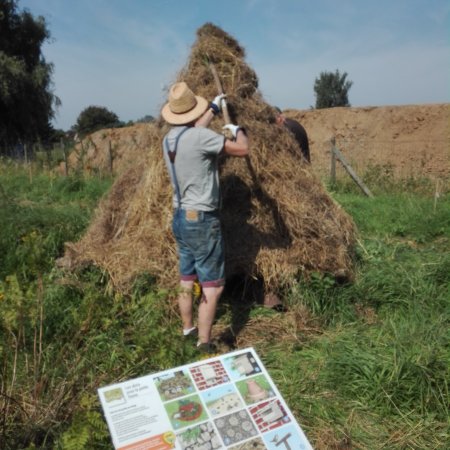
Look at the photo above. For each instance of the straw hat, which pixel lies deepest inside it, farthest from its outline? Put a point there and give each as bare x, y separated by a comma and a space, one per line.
183, 106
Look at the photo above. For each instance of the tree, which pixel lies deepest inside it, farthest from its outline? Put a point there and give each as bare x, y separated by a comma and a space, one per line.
146, 119
331, 90
95, 118
27, 101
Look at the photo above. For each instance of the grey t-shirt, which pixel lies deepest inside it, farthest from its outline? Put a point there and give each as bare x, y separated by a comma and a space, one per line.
196, 167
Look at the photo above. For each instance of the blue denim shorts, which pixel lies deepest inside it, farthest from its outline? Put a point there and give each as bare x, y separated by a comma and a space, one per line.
200, 246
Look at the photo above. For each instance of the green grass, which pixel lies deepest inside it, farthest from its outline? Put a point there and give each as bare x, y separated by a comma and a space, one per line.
379, 373
399, 216
39, 213
374, 374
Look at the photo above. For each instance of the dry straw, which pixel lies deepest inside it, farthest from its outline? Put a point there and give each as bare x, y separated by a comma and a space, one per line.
278, 220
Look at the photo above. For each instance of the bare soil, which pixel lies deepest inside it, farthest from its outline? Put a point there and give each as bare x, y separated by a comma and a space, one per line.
411, 140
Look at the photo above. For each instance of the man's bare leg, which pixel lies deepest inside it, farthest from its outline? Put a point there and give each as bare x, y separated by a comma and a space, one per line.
207, 312
185, 303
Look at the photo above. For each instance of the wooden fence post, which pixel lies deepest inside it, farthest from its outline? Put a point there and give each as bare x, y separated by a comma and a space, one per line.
351, 172
80, 157
437, 193
333, 162
27, 160
66, 164
110, 158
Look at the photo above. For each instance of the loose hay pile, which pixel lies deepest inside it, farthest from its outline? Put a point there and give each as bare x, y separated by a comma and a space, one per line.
278, 221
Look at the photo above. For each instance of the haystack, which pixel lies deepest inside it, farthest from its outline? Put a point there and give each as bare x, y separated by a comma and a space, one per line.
278, 221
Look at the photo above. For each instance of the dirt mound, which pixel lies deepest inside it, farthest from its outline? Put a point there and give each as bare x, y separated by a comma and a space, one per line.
113, 150
412, 140
409, 140
278, 221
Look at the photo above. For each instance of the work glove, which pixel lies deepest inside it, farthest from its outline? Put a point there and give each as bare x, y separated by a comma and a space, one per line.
217, 103
232, 128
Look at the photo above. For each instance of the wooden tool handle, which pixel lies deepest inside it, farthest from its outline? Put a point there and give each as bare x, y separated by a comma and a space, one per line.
226, 116
225, 112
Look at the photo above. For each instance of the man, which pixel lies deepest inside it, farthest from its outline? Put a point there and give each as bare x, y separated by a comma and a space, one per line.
191, 153
297, 130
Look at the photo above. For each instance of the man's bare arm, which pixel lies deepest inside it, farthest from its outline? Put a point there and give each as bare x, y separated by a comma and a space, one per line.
239, 147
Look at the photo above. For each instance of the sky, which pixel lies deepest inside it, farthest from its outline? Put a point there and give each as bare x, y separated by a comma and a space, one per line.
123, 55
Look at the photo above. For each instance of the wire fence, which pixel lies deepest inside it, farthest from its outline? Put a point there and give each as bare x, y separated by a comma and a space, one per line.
396, 158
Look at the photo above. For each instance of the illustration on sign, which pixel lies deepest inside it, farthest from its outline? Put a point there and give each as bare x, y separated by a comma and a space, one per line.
225, 402
255, 389
222, 399
174, 385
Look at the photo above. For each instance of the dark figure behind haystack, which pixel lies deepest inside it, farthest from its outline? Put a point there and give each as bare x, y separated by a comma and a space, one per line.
297, 130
